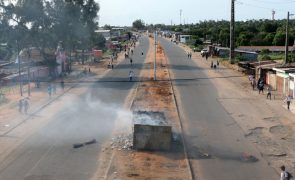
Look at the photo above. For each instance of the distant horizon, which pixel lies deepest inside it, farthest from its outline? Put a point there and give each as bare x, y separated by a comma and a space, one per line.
123, 13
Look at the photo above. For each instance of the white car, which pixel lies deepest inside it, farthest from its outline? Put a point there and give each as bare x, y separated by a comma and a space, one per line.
204, 51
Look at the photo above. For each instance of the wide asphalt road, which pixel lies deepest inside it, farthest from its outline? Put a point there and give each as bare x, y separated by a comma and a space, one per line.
49, 154
216, 145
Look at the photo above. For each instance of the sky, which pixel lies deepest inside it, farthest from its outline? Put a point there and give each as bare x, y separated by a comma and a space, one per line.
124, 12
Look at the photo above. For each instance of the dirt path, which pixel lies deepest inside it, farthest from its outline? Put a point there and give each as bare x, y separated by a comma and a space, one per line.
125, 163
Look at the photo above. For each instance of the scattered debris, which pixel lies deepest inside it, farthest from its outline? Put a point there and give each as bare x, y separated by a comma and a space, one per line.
75, 146
248, 158
122, 142
93, 141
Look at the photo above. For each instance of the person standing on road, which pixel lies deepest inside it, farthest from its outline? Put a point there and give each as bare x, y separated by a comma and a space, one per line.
206, 54
288, 100
268, 93
26, 105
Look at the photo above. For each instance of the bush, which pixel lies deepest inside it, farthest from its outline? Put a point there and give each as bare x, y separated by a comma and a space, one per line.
265, 57
265, 51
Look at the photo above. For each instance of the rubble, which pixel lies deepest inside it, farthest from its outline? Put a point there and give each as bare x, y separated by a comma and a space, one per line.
122, 142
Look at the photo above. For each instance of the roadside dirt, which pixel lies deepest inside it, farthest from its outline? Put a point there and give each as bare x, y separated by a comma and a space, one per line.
125, 163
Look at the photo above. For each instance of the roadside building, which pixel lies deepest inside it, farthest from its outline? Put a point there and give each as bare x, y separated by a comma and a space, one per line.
292, 84
283, 79
244, 55
106, 33
185, 38
273, 49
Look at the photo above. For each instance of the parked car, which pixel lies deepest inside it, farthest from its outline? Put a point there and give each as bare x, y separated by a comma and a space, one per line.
204, 51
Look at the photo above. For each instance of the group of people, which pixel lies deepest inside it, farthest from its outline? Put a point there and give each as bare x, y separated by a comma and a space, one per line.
23, 105
260, 86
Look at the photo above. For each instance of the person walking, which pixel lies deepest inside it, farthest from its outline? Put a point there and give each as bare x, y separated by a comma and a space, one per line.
288, 101
268, 93
26, 105
285, 175
130, 75
131, 61
206, 54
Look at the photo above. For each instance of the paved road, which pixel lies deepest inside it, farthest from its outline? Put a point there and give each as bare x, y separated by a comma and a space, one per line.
209, 129
48, 153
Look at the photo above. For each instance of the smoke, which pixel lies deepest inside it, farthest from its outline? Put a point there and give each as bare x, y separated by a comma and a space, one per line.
85, 118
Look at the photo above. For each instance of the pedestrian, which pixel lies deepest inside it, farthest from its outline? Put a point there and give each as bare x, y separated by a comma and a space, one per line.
62, 84
130, 75
89, 70
253, 83
217, 63
260, 85
288, 101
131, 61
188, 55
26, 105
206, 54
211, 64
285, 175
20, 105
268, 93
132, 51
49, 90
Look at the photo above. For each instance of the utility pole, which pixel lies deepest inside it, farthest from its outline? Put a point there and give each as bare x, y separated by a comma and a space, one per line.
232, 33
180, 13
19, 70
287, 38
155, 71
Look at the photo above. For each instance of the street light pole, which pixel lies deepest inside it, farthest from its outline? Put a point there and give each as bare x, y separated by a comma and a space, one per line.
232, 33
155, 75
19, 70
287, 38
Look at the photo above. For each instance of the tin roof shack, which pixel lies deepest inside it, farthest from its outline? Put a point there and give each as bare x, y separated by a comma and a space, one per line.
185, 38
259, 69
292, 84
106, 33
283, 79
274, 49
242, 55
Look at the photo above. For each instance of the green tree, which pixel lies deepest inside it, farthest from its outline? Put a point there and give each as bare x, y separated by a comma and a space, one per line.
138, 24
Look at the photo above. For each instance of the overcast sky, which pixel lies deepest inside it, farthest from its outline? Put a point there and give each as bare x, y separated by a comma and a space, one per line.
124, 12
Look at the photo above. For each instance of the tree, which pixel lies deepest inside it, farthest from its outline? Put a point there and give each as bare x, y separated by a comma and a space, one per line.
138, 24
